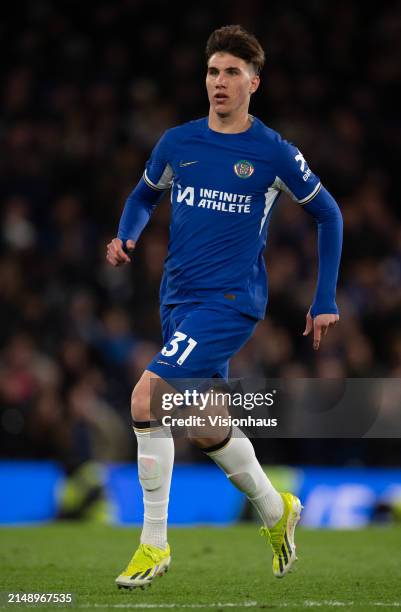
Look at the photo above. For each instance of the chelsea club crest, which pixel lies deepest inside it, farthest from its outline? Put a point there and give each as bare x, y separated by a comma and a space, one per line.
243, 169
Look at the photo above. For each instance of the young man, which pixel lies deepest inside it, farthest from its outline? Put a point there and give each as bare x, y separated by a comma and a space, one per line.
225, 173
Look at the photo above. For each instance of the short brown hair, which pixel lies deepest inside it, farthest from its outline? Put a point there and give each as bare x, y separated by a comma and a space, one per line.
236, 40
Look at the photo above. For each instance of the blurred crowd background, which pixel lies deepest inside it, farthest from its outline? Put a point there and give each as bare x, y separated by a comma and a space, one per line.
87, 90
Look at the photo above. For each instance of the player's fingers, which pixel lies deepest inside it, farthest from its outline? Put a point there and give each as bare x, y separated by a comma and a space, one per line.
111, 258
308, 325
317, 335
116, 248
115, 255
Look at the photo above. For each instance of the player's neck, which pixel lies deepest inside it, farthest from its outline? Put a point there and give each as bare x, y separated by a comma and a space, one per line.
229, 124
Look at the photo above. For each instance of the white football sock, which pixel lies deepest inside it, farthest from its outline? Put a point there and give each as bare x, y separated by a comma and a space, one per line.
238, 460
155, 467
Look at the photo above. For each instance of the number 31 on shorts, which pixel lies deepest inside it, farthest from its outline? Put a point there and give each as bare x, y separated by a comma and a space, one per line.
174, 343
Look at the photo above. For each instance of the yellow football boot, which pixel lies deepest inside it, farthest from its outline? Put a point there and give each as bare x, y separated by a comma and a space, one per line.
147, 563
281, 536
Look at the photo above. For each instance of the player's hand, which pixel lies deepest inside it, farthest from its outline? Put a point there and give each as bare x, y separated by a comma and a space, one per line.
116, 255
320, 326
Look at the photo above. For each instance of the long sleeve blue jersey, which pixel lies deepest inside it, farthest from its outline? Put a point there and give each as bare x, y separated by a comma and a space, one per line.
223, 191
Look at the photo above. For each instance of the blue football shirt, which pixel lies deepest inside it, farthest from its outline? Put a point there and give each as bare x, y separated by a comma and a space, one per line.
223, 189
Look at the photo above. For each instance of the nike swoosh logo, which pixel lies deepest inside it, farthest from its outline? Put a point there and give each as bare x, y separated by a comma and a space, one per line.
188, 163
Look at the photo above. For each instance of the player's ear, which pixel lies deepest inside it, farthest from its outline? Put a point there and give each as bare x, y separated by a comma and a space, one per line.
255, 81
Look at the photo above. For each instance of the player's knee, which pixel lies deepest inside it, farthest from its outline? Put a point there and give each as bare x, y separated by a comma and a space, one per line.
140, 403
207, 443
199, 442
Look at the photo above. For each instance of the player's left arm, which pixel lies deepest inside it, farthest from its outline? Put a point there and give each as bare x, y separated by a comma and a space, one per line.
323, 312
295, 177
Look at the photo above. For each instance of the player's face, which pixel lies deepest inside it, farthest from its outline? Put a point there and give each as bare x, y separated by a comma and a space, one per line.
230, 82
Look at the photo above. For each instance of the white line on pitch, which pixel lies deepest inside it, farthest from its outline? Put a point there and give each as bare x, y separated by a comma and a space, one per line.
247, 604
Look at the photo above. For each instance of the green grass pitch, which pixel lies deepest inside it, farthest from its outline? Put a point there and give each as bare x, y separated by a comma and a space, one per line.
212, 568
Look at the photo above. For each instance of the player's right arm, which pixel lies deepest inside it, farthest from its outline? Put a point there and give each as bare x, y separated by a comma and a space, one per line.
141, 202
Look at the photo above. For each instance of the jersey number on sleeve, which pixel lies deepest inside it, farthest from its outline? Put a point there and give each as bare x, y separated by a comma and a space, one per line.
179, 337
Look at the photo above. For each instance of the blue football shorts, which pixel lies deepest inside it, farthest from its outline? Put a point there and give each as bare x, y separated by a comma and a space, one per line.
200, 339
